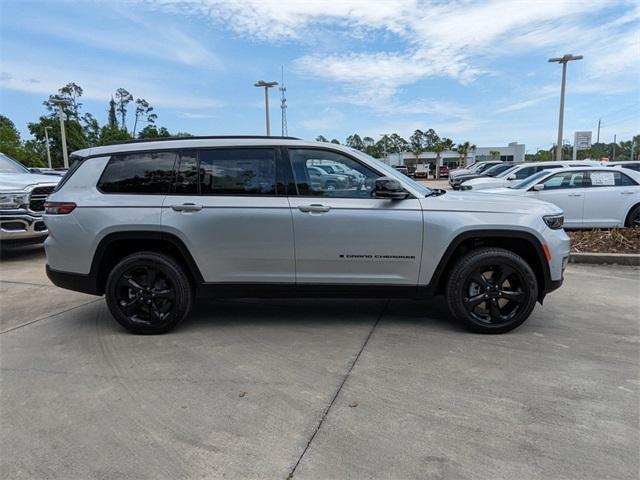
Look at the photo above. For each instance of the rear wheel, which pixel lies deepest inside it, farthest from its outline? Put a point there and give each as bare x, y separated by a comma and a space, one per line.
633, 220
491, 290
148, 293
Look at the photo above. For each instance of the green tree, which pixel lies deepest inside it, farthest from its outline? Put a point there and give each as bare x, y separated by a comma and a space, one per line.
123, 98
463, 150
151, 131
10, 142
335, 140
321, 138
109, 134
143, 110
112, 121
439, 147
71, 93
91, 129
354, 141
417, 144
75, 134
495, 154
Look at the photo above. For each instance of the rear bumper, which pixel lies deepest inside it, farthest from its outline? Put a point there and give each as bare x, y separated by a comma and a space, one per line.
73, 281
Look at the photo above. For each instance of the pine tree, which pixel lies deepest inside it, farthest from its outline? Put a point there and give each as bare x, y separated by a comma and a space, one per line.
113, 120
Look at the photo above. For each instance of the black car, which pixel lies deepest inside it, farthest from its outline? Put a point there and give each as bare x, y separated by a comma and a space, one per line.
489, 172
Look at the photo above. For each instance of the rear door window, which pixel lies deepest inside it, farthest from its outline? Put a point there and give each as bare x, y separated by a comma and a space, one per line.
138, 173
243, 171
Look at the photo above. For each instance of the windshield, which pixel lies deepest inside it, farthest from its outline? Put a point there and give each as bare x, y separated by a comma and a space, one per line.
394, 173
497, 169
506, 172
529, 180
9, 165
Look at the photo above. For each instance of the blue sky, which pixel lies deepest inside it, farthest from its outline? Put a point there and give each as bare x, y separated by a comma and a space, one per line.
472, 70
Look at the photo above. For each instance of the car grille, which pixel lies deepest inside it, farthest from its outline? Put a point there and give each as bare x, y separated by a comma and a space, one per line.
38, 197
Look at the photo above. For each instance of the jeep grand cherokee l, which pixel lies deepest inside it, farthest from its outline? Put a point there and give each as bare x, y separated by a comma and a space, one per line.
153, 224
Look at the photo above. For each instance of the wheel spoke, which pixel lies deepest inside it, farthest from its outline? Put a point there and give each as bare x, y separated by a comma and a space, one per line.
156, 314
167, 294
513, 296
132, 307
480, 279
494, 311
502, 274
128, 282
472, 302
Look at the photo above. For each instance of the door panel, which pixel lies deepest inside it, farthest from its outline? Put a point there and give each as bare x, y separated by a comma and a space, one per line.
235, 239
605, 203
352, 241
571, 201
225, 209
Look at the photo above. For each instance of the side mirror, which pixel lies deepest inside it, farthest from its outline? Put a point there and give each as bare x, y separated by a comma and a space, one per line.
511, 177
387, 187
538, 187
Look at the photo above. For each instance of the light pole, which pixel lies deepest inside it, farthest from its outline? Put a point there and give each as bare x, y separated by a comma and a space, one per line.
60, 102
46, 137
563, 60
267, 86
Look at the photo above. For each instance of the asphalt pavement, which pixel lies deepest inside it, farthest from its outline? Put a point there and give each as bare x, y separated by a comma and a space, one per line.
319, 389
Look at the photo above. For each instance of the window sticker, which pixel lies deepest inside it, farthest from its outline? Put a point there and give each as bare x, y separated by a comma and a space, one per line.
602, 179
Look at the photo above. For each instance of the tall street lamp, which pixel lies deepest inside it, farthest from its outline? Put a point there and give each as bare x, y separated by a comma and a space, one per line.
61, 102
562, 60
46, 137
267, 86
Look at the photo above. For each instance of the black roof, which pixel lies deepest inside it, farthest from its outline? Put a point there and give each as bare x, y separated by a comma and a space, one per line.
206, 137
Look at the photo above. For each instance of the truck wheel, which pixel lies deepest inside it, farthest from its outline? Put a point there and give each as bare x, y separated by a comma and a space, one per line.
148, 293
491, 290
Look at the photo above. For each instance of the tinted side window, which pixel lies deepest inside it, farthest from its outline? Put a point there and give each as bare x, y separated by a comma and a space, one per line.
186, 181
525, 172
247, 171
145, 172
564, 180
330, 174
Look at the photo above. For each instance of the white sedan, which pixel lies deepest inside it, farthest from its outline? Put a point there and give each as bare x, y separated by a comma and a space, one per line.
594, 197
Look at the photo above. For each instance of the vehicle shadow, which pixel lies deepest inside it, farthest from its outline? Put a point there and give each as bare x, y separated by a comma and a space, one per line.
21, 252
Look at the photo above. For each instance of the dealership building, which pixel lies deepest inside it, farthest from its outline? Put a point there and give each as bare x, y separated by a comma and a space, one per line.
513, 152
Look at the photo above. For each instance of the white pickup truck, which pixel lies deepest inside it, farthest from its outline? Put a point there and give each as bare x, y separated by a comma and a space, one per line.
22, 196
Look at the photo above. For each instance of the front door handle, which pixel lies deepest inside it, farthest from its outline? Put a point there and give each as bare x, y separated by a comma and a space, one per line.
314, 208
187, 207
575, 194
626, 192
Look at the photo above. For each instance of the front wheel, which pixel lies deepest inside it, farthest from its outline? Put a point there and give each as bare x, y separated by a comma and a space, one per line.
491, 290
633, 220
148, 293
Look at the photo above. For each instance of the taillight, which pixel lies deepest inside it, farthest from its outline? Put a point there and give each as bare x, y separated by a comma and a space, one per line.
59, 208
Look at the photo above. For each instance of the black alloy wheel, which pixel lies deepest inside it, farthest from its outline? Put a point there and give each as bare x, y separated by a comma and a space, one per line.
148, 293
491, 290
633, 220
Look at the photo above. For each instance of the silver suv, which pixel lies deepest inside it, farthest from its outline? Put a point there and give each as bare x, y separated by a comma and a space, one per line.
153, 224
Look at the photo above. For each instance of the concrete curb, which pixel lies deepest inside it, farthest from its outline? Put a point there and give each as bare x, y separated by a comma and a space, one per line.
606, 258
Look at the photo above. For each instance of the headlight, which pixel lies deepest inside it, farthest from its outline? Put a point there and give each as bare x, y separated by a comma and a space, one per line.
555, 222
465, 187
13, 199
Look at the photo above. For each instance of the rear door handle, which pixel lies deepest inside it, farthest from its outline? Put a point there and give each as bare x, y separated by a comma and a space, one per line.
575, 194
626, 192
187, 207
314, 208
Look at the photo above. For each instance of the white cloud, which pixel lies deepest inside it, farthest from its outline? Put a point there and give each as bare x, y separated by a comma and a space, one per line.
458, 39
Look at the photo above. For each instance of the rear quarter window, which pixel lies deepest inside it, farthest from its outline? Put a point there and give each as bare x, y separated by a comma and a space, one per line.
142, 173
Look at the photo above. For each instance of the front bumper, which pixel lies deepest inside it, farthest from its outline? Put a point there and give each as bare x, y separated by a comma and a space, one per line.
21, 226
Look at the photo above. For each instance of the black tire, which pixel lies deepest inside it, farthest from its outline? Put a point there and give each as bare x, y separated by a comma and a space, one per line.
491, 290
633, 219
148, 293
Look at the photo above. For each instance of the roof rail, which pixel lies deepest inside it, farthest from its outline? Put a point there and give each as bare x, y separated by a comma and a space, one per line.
206, 137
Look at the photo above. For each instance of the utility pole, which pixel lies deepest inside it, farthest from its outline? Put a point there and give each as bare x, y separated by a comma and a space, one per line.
60, 102
598, 136
563, 60
614, 147
267, 86
46, 138
283, 105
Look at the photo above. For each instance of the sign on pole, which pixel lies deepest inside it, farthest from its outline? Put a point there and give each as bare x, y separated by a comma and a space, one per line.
581, 141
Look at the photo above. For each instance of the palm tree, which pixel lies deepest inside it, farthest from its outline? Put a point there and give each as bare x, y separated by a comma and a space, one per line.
463, 151
494, 154
438, 148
